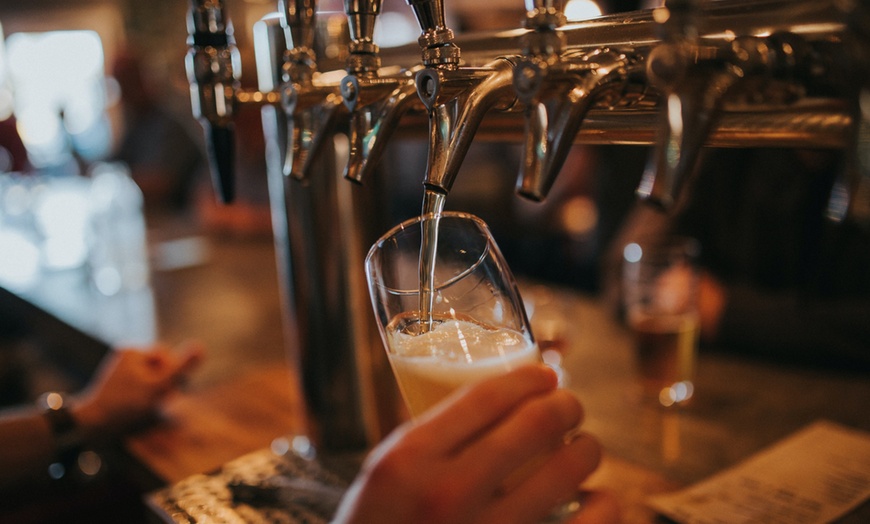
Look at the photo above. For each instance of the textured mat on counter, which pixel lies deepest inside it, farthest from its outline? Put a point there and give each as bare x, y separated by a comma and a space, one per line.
261, 487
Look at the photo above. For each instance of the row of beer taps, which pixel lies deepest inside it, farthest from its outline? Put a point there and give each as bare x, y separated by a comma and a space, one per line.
688, 74
681, 76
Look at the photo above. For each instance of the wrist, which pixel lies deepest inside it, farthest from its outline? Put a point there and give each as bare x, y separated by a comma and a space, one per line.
88, 416
65, 430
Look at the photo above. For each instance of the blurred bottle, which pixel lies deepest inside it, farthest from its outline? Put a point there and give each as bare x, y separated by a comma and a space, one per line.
118, 248
550, 326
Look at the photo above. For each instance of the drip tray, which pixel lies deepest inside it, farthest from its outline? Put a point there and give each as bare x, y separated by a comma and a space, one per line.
264, 486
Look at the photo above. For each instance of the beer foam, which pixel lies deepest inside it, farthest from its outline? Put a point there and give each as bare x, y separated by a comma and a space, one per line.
459, 341
430, 365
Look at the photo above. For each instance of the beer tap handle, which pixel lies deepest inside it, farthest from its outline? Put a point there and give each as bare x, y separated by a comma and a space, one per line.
436, 40
212, 70
220, 149
361, 17
300, 64
298, 19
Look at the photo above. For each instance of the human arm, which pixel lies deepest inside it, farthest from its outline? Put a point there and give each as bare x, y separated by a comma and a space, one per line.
451, 464
127, 390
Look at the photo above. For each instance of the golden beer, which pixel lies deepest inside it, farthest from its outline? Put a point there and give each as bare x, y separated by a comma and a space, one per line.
430, 365
665, 347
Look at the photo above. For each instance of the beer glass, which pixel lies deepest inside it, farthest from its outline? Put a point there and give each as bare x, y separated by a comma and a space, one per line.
447, 306
660, 293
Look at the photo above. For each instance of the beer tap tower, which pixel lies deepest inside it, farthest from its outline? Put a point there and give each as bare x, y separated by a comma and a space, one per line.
747, 73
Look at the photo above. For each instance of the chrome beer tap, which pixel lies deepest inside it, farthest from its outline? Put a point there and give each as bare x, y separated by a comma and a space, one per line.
456, 98
698, 77
213, 69
850, 195
554, 115
312, 105
692, 87
376, 101
213, 66
557, 90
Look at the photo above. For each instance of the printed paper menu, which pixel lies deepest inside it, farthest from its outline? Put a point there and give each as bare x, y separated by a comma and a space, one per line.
813, 476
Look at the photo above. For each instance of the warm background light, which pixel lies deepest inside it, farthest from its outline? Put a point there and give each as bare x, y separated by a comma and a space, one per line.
581, 10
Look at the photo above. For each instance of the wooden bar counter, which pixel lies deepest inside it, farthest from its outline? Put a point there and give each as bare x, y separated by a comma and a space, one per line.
246, 395
250, 395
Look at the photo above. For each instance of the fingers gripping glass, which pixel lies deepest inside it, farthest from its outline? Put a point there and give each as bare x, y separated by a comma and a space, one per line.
449, 311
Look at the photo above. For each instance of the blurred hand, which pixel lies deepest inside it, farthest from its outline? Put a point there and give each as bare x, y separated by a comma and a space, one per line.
451, 464
131, 385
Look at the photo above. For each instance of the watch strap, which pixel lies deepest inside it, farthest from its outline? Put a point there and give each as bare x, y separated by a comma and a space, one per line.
62, 423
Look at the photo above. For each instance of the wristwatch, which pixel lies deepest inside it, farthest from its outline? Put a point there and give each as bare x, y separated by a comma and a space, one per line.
63, 426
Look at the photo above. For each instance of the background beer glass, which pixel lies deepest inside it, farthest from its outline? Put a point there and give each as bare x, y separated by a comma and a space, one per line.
478, 325
660, 293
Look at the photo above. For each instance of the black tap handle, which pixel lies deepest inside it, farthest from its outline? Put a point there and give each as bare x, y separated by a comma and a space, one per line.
213, 79
220, 147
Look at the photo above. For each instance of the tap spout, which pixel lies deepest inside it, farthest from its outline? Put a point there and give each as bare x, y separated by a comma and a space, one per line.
557, 90
696, 89
312, 108
377, 106
212, 65
688, 116
669, 66
696, 79
557, 99
376, 101
312, 114
457, 101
